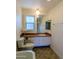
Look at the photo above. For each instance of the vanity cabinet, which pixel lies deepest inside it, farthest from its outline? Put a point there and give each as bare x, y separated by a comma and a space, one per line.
38, 39
41, 41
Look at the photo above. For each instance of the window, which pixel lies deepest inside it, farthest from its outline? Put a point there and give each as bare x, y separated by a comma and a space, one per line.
29, 22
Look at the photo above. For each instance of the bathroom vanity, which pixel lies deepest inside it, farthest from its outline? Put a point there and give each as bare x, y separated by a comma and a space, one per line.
41, 41
38, 39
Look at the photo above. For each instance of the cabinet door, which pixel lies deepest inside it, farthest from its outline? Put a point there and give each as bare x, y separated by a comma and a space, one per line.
45, 41
41, 41
36, 41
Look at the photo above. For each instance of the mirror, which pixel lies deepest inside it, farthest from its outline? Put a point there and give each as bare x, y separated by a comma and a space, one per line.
48, 25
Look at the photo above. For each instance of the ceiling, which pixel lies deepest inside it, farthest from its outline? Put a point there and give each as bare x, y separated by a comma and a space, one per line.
37, 4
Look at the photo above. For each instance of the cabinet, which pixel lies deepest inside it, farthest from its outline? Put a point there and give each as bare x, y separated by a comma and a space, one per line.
41, 41
38, 39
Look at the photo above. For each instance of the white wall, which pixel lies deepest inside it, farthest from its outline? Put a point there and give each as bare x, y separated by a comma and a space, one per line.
57, 29
18, 22
56, 17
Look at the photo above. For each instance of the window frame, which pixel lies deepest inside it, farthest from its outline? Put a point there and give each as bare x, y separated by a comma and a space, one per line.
29, 23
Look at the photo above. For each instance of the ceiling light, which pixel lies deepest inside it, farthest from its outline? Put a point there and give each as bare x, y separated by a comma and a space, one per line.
37, 12
48, 0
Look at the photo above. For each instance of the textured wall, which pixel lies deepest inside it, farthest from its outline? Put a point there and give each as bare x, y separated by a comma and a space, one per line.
57, 29
56, 17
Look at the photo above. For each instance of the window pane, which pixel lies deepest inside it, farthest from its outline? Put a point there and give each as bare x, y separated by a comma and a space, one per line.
29, 19
29, 26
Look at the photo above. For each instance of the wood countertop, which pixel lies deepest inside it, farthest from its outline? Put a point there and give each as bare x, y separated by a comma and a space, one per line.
24, 34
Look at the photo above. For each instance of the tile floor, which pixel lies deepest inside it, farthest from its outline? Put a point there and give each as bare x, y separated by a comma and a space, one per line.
45, 53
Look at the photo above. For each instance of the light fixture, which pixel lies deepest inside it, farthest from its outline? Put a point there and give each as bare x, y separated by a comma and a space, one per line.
37, 12
48, 0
